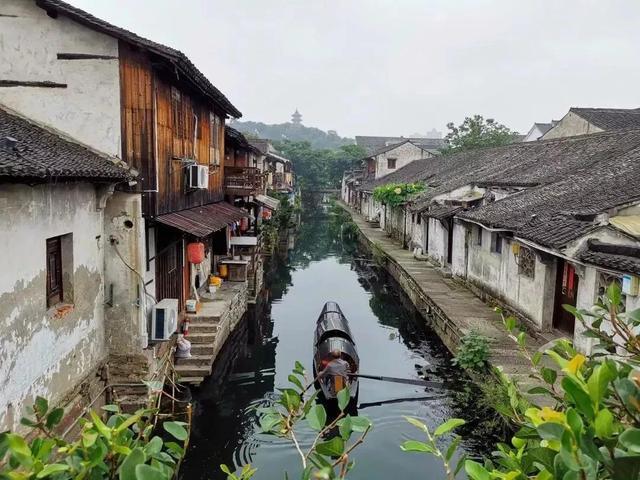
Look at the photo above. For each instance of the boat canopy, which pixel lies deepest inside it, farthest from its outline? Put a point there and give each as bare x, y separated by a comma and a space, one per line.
324, 349
332, 323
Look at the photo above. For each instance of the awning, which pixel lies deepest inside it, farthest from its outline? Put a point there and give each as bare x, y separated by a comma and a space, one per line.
269, 202
442, 212
204, 220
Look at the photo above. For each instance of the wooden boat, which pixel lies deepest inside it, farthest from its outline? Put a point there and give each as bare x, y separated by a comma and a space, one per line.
333, 333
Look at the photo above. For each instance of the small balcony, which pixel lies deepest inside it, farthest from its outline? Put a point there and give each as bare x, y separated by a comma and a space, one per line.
243, 181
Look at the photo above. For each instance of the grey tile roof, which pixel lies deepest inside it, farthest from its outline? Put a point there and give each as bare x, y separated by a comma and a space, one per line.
40, 154
260, 144
412, 172
562, 209
234, 136
176, 57
567, 180
373, 143
610, 118
441, 212
615, 257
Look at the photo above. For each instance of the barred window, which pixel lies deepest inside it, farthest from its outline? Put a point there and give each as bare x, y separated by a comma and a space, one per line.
496, 243
604, 280
527, 262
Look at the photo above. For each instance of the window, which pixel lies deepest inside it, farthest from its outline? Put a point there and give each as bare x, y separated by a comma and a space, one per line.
419, 219
413, 218
391, 162
214, 139
59, 266
54, 271
527, 262
479, 236
177, 113
496, 243
606, 279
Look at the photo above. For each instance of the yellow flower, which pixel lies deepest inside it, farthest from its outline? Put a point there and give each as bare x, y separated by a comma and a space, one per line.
398, 191
575, 363
550, 415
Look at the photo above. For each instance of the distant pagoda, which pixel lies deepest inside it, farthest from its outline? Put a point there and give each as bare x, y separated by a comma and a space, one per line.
296, 118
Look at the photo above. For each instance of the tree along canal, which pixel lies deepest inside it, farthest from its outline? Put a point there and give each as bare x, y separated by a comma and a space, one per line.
392, 340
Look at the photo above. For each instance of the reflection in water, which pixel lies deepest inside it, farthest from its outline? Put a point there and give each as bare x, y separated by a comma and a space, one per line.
392, 340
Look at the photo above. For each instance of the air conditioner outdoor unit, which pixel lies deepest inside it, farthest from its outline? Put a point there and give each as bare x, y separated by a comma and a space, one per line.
164, 319
198, 176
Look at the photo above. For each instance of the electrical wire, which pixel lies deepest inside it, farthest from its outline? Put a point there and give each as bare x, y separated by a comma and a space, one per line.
142, 282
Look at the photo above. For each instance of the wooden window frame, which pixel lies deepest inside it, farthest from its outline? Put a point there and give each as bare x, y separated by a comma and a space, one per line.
392, 163
496, 243
479, 236
418, 218
214, 140
55, 293
177, 114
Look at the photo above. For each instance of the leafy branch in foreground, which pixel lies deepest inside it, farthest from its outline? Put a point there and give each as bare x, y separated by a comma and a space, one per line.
582, 419
328, 456
121, 446
431, 446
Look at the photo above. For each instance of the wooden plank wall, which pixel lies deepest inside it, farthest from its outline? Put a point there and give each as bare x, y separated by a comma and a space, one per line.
136, 98
175, 106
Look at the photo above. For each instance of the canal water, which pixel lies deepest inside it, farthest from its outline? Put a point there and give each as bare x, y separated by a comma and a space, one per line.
312, 267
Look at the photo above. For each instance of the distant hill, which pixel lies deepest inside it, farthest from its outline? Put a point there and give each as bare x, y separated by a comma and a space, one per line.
291, 131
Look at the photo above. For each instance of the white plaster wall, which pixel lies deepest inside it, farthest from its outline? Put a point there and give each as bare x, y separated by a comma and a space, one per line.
89, 108
126, 319
498, 274
404, 154
418, 233
570, 125
438, 236
459, 257
41, 354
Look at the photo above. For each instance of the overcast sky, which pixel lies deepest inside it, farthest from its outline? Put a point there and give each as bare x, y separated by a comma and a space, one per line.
395, 67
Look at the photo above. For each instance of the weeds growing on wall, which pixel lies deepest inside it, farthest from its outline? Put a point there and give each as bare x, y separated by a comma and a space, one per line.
473, 352
395, 194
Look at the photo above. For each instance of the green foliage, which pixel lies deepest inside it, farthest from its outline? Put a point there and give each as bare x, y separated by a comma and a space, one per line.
317, 138
431, 446
473, 352
476, 132
396, 194
582, 420
120, 446
320, 168
328, 457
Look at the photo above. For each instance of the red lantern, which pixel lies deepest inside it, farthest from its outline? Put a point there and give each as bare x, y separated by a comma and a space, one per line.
195, 252
244, 224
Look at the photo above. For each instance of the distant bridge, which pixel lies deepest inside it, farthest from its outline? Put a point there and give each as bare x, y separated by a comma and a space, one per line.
322, 190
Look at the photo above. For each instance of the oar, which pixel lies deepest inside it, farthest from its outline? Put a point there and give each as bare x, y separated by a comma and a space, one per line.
407, 381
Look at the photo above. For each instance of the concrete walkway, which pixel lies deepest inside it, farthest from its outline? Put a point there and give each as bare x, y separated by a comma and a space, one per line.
455, 310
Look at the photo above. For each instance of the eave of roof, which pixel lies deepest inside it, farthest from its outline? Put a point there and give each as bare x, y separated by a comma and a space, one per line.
176, 57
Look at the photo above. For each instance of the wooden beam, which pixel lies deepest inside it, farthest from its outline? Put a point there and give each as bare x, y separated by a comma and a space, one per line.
24, 83
84, 56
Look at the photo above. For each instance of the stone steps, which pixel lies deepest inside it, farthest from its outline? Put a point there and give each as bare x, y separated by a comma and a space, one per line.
200, 337
187, 371
201, 359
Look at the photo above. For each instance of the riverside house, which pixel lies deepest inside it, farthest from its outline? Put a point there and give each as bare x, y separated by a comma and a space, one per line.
530, 226
150, 107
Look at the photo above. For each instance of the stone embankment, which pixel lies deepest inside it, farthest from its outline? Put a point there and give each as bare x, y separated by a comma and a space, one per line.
452, 309
209, 328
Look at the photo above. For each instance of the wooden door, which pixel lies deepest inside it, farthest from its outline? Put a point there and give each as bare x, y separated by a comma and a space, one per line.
566, 294
169, 267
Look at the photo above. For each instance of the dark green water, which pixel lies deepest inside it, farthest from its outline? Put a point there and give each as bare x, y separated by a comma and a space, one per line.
392, 340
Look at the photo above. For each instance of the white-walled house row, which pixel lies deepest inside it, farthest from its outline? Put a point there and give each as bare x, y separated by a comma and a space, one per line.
529, 226
53, 238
